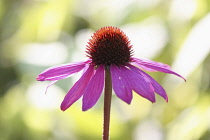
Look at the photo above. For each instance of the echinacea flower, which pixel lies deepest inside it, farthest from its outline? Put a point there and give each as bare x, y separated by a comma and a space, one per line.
109, 49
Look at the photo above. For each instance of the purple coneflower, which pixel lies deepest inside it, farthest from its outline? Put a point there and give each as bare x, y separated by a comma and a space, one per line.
109, 49
110, 64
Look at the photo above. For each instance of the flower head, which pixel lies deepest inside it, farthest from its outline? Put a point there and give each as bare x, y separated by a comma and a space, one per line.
109, 49
109, 45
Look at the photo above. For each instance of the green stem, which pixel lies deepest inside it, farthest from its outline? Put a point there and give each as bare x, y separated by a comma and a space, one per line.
107, 104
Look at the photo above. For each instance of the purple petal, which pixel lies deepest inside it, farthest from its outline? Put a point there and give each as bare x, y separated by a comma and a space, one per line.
50, 84
142, 62
121, 88
155, 66
139, 83
143, 67
157, 87
94, 89
78, 89
61, 71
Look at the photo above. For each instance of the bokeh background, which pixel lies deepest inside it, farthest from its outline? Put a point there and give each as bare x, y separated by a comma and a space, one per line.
37, 34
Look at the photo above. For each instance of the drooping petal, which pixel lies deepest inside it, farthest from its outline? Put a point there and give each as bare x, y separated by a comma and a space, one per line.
78, 89
121, 88
157, 87
50, 84
156, 66
61, 71
143, 67
94, 89
142, 62
138, 83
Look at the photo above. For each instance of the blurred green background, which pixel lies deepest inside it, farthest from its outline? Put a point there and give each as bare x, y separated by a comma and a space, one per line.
37, 34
